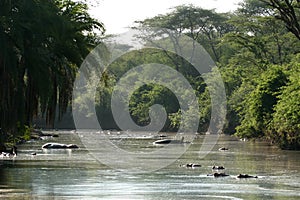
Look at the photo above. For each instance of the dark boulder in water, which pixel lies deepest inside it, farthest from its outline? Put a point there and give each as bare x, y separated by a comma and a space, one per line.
246, 176
223, 149
191, 165
217, 167
216, 174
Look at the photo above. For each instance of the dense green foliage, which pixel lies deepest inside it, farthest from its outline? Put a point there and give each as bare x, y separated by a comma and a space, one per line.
256, 48
42, 44
257, 51
285, 127
143, 98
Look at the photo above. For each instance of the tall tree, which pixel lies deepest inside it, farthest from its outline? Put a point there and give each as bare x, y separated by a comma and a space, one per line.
204, 26
289, 12
258, 106
284, 129
42, 44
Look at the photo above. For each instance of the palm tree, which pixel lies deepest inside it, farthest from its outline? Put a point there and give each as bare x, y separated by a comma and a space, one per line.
42, 45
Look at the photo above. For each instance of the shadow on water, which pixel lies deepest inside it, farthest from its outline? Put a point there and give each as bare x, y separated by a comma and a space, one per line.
74, 174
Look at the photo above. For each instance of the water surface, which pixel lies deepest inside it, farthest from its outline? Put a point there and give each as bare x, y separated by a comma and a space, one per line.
75, 174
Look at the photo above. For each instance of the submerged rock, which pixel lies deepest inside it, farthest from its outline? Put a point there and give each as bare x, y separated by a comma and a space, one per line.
191, 165
218, 174
223, 149
246, 176
59, 146
169, 141
217, 167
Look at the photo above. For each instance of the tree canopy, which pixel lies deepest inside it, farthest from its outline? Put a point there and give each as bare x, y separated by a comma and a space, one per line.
43, 43
256, 49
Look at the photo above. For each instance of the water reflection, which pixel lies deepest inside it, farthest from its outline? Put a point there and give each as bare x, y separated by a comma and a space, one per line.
74, 174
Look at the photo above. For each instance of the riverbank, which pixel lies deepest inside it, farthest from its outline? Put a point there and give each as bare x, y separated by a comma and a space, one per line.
39, 134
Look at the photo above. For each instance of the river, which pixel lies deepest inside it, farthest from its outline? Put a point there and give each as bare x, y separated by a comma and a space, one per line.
76, 174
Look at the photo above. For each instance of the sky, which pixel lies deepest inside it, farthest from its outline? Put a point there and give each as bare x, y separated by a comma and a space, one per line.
118, 15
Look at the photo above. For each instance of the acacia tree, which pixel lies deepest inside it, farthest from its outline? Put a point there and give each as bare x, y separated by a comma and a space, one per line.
257, 32
289, 12
203, 26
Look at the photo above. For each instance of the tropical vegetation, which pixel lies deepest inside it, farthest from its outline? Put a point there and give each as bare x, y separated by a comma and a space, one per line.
256, 49
42, 45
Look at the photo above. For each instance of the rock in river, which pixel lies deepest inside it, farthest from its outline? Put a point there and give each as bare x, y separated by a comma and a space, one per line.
59, 146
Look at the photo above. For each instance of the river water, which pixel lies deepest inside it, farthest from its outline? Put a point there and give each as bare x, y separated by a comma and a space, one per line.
76, 174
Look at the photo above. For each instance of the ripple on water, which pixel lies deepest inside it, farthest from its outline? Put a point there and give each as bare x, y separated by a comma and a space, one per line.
64, 174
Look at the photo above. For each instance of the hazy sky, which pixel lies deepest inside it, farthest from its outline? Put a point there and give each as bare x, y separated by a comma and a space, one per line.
119, 14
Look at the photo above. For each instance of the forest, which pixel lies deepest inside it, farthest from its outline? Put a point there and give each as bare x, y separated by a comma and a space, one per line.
256, 49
